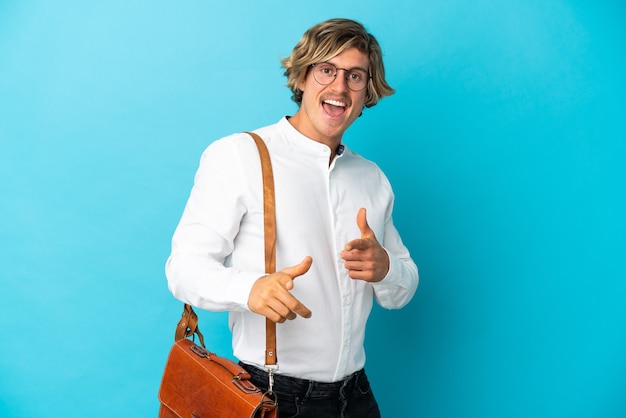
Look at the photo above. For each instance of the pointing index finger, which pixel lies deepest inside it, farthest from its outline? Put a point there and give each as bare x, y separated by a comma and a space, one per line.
357, 244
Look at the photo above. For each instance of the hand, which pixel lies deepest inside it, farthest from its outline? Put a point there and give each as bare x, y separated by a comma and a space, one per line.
270, 295
365, 258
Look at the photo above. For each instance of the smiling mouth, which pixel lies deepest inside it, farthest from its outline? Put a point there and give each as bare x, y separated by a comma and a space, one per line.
334, 108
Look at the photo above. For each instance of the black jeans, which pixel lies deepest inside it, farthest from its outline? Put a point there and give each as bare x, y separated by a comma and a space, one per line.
348, 398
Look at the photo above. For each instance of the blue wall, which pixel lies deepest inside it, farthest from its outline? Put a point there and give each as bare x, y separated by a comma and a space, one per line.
505, 144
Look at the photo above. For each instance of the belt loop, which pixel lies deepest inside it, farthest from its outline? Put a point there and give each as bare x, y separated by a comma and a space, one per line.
309, 389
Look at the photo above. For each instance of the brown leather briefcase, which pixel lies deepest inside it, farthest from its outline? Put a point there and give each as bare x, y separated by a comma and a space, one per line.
197, 383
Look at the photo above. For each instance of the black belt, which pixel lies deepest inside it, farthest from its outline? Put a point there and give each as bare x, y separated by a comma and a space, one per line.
301, 388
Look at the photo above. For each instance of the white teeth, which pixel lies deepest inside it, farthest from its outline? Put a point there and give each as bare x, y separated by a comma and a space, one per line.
335, 103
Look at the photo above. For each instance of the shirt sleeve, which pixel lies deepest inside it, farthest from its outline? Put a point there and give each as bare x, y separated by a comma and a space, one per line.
400, 283
197, 269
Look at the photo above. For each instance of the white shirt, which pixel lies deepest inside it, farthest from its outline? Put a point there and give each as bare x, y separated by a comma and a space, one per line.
218, 248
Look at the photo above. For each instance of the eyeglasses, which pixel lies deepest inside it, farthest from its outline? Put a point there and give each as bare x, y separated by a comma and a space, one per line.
325, 73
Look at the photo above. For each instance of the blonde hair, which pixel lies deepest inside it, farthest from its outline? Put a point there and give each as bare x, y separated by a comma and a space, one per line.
327, 40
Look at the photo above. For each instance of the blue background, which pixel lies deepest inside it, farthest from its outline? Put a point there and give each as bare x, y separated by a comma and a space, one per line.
505, 144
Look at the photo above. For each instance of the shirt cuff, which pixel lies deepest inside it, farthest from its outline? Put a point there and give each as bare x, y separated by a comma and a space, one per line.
241, 287
390, 278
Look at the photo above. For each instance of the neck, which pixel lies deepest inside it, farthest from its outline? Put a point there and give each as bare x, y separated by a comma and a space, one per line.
299, 122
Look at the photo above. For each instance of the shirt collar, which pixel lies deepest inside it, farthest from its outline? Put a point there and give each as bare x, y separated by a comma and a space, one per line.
307, 142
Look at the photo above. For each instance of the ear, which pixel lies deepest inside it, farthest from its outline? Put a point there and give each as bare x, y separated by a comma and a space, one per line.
302, 84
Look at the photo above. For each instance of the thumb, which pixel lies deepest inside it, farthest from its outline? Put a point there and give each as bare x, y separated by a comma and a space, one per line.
299, 269
361, 221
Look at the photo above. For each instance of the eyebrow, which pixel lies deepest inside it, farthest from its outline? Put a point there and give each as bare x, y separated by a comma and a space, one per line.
349, 69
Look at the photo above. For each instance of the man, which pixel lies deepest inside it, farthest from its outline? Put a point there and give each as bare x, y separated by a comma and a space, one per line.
337, 248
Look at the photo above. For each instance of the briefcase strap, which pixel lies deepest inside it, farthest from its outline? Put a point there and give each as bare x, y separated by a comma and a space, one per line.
188, 324
269, 227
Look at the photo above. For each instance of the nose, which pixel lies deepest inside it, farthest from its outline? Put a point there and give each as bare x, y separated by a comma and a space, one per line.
340, 83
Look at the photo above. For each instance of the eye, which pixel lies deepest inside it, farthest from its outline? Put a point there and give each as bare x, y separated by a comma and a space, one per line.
355, 76
326, 69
